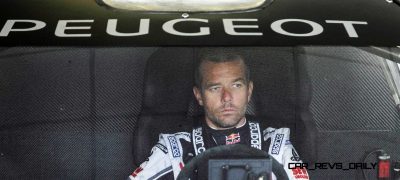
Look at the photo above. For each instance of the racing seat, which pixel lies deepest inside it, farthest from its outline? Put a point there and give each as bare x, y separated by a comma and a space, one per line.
169, 103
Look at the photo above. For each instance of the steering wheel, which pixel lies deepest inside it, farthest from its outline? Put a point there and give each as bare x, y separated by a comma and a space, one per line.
200, 162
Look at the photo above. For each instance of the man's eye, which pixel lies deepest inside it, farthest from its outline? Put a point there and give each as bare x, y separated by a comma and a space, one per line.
214, 89
237, 85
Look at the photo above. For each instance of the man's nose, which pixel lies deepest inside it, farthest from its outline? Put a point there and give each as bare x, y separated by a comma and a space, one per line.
226, 95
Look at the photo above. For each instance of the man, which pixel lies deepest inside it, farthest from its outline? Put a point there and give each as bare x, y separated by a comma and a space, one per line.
223, 88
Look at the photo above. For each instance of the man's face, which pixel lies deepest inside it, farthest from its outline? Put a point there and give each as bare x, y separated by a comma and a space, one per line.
224, 94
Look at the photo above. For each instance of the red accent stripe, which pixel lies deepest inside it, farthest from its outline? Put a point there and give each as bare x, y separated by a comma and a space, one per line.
384, 169
137, 171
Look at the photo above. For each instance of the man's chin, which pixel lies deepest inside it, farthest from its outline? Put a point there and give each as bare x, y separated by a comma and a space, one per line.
228, 122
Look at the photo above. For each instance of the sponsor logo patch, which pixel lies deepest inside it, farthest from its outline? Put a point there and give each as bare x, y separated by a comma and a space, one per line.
137, 171
233, 138
174, 146
300, 173
295, 156
198, 140
162, 148
255, 136
277, 144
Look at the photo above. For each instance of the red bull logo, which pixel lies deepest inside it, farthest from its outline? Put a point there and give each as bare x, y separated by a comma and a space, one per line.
233, 138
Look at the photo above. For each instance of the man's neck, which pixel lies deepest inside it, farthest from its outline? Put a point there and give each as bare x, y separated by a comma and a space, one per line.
240, 124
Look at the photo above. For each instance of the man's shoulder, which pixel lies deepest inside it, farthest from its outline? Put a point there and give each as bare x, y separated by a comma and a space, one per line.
277, 135
273, 131
278, 142
266, 127
178, 136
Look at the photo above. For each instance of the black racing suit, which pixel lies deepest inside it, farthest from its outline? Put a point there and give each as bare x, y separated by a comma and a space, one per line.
172, 151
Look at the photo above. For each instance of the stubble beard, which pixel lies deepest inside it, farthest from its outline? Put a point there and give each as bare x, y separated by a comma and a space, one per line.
226, 124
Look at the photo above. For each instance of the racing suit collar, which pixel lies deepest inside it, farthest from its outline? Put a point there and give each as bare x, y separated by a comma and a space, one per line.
221, 137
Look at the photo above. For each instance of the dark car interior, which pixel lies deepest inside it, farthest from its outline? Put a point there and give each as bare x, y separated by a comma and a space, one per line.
95, 113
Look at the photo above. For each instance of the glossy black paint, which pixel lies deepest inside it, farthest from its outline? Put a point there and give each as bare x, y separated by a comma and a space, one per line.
382, 29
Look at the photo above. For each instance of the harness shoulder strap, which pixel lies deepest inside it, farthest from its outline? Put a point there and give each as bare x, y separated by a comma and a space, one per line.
255, 135
175, 152
198, 140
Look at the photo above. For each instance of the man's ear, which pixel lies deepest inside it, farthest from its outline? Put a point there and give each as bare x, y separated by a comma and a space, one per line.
250, 91
197, 94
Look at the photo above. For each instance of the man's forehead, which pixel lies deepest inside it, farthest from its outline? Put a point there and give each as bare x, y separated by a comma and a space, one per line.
207, 65
233, 70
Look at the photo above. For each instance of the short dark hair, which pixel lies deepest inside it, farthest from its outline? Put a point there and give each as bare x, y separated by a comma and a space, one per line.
218, 55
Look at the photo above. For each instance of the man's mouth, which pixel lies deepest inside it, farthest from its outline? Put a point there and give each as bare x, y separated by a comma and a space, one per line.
228, 110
